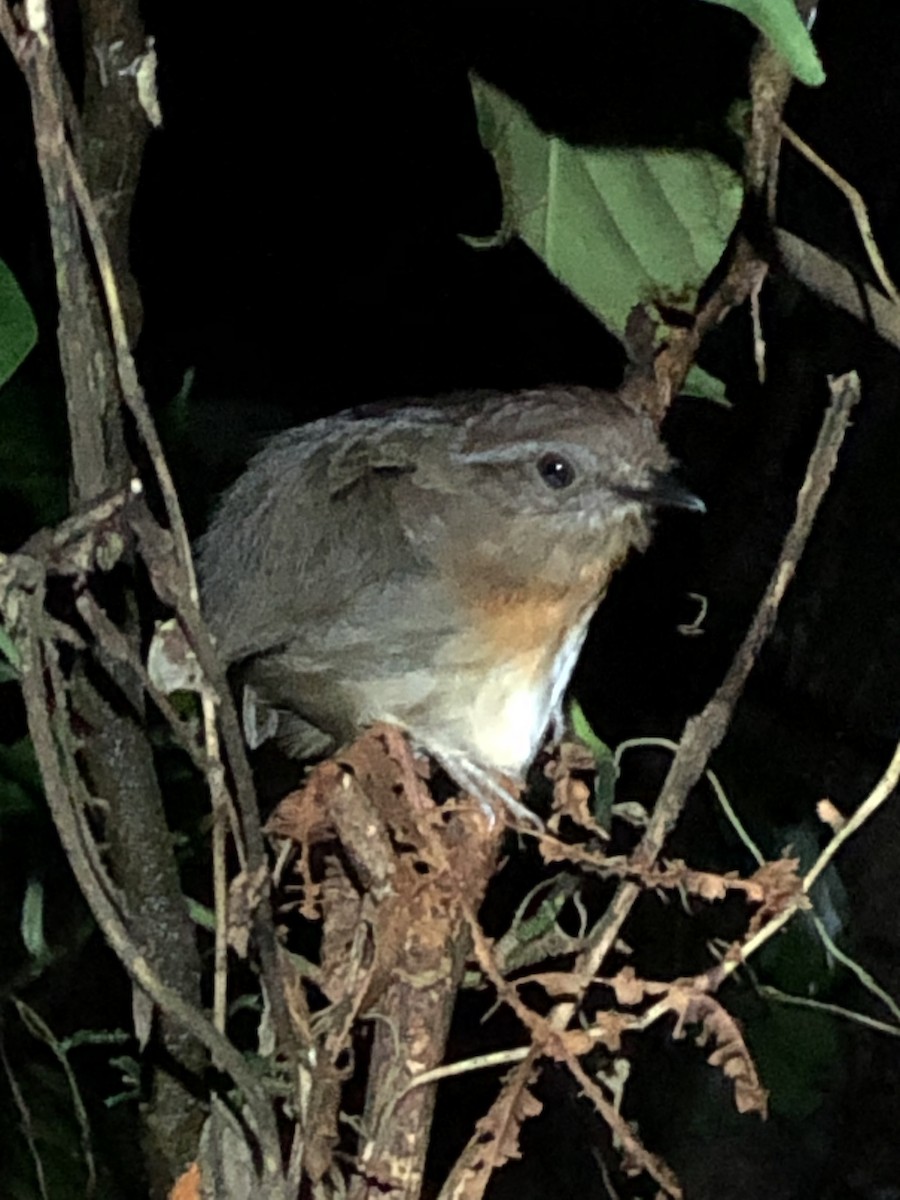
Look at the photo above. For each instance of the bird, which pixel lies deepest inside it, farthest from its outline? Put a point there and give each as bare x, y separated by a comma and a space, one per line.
433, 565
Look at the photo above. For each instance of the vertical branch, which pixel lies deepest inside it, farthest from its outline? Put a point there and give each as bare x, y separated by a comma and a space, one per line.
116, 753
114, 131
85, 359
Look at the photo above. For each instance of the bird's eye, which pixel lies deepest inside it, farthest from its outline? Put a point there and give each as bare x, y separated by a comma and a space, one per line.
556, 471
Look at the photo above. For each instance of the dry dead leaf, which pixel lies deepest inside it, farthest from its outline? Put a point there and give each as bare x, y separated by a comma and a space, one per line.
730, 1053
708, 885
607, 1029
782, 888
628, 988
569, 771
303, 815
557, 983
498, 1132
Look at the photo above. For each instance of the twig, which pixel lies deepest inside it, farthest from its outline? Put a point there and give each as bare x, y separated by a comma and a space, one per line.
26, 1123
857, 204
480, 1062
882, 790
472, 1170
38, 1028
216, 777
770, 82
132, 392
859, 971
115, 643
840, 286
833, 1010
634, 1148
714, 782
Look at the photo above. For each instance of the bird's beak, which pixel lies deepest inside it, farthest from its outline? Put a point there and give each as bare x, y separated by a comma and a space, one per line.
664, 491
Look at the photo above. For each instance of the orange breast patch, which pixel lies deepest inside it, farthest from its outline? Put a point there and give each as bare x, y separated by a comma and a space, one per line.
531, 623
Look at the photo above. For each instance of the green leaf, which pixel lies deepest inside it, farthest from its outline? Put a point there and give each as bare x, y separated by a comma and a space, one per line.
707, 387
11, 660
200, 914
583, 730
784, 27
18, 329
604, 759
617, 227
31, 925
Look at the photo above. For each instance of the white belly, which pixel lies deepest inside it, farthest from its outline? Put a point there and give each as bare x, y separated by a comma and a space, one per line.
511, 710
495, 720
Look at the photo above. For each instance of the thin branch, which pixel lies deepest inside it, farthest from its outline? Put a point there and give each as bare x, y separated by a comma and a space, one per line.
840, 286
714, 782
132, 392
480, 1062
833, 1010
883, 789
635, 1150
216, 777
870, 984
26, 1123
857, 205
770, 83
881, 792
38, 1028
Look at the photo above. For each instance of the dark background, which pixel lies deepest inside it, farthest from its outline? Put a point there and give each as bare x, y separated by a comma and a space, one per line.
296, 240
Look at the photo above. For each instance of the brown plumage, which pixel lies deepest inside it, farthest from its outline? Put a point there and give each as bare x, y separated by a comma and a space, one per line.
433, 565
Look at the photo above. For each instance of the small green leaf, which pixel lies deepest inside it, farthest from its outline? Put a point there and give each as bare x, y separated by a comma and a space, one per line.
618, 227
200, 914
11, 661
131, 1072
581, 727
31, 925
180, 409
604, 760
18, 328
783, 26
707, 387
